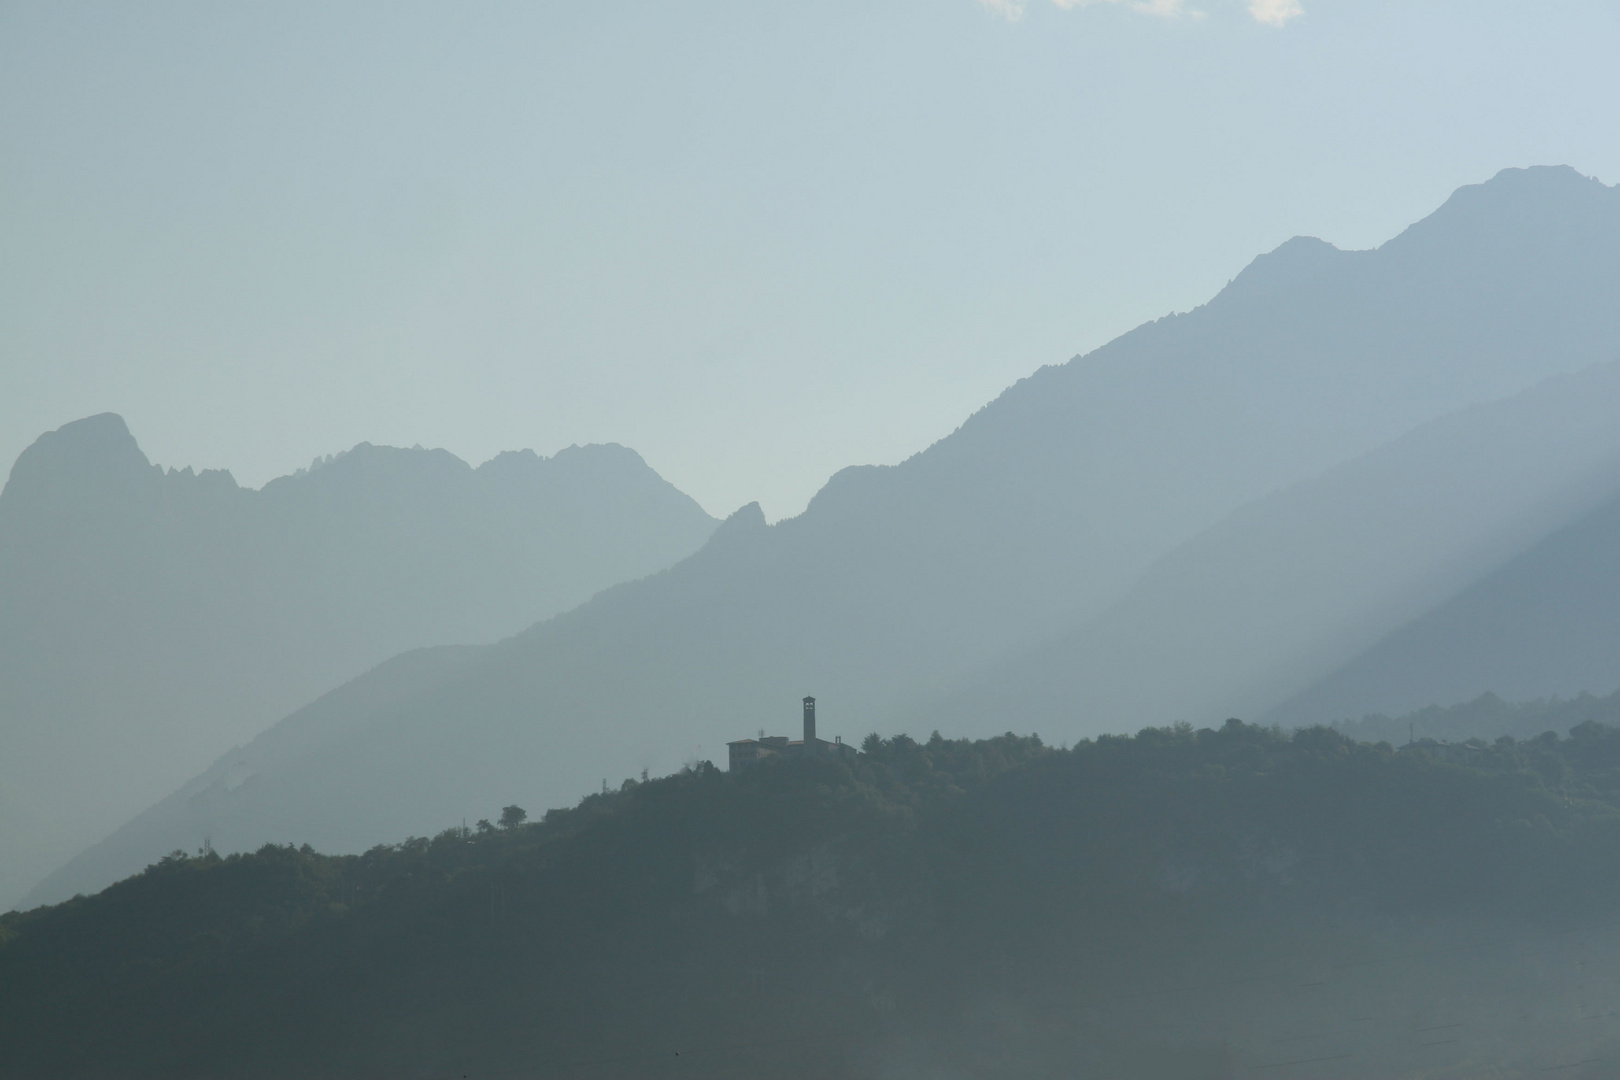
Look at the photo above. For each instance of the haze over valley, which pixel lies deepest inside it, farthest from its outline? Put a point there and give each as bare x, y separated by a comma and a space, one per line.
994, 540
1015, 570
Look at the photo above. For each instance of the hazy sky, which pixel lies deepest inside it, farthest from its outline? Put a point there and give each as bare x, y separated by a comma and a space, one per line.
755, 241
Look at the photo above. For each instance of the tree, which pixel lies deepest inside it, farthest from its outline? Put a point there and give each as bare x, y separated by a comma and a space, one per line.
513, 816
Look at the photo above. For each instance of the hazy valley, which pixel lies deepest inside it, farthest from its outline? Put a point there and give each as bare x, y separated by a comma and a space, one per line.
1446, 403
1374, 490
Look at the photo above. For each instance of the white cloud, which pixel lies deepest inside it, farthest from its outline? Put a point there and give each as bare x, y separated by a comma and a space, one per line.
1011, 10
1275, 12
1270, 12
1170, 9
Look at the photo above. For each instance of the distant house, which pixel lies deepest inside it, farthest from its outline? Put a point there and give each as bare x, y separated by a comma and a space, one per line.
746, 753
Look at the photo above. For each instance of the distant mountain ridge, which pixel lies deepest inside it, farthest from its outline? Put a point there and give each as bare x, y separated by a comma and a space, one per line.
150, 618
900, 586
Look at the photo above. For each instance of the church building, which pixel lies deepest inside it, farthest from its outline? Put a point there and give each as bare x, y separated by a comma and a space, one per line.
746, 753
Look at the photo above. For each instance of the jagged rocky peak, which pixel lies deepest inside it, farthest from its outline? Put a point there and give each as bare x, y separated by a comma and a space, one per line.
592, 457
93, 456
1286, 266
1543, 207
744, 519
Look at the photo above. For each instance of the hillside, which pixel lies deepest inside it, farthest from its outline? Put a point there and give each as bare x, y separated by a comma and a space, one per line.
1545, 624
1242, 617
901, 584
151, 618
1180, 904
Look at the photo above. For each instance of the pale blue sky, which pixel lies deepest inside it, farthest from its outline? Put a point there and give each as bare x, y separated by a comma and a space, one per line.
757, 242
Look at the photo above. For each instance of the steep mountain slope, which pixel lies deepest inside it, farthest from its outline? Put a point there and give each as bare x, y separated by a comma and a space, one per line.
151, 619
900, 583
1242, 617
1545, 624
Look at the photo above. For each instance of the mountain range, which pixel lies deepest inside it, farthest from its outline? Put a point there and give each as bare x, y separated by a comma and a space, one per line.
1334, 444
152, 618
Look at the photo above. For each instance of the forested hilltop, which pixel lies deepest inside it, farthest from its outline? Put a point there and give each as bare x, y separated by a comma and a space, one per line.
1176, 904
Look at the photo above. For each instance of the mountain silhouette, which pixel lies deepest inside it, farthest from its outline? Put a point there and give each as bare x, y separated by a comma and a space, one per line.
901, 585
151, 618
